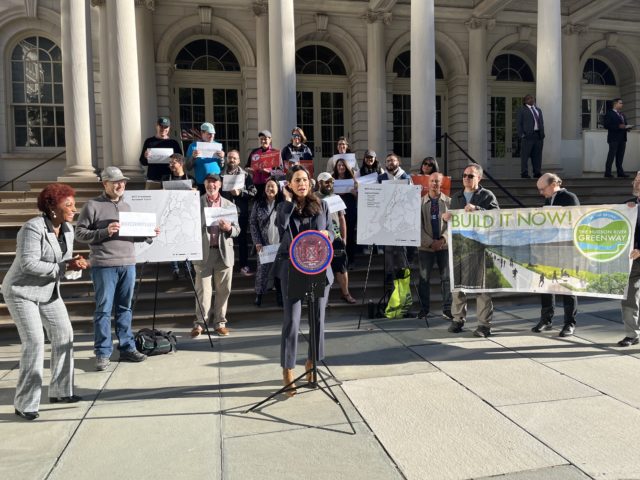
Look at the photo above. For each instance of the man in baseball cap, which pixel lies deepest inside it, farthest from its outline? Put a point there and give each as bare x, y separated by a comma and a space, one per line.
204, 165
156, 170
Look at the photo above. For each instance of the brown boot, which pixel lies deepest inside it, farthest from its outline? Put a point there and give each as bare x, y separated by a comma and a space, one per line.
308, 366
287, 378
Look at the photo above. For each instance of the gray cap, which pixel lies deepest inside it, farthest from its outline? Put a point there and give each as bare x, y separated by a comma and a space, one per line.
112, 174
207, 127
370, 153
324, 176
265, 133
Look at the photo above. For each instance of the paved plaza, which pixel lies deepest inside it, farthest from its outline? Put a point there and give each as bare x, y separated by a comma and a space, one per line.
425, 404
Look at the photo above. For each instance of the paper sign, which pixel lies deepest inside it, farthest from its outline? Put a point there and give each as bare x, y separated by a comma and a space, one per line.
268, 253
401, 181
368, 179
343, 186
335, 203
134, 224
159, 155
233, 182
177, 185
213, 214
208, 149
350, 158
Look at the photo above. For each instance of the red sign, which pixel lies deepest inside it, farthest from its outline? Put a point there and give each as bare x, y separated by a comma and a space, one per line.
265, 161
423, 180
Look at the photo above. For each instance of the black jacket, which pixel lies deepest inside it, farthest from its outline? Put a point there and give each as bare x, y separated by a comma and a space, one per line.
612, 123
482, 198
563, 198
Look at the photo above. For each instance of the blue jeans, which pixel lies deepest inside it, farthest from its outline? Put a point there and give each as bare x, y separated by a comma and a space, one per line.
426, 260
113, 285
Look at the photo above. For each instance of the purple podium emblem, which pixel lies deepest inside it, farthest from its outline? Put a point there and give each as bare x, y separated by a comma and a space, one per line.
311, 252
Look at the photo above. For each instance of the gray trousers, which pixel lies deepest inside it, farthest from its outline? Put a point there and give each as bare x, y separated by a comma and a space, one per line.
213, 269
631, 305
30, 317
291, 326
484, 307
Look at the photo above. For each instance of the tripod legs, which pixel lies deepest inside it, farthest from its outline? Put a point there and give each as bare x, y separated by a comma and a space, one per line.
202, 314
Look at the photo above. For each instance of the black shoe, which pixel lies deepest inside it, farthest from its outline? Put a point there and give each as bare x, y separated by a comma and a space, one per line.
132, 356
567, 330
537, 175
279, 299
623, 175
447, 314
71, 399
542, 325
628, 341
482, 332
258, 301
422, 315
455, 327
27, 415
608, 175
524, 175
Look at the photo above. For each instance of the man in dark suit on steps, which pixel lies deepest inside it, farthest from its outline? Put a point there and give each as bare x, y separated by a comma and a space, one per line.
616, 124
549, 186
530, 125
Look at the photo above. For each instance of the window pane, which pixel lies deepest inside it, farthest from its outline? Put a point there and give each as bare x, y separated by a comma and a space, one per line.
57, 72
232, 97
46, 93
21, 137
35, 136
207, 55
47, 116
59, 116
20, 116
57, 93
18, 92
48, 137
60, 137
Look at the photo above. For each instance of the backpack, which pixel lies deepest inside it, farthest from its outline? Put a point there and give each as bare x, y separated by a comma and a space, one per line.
155, 342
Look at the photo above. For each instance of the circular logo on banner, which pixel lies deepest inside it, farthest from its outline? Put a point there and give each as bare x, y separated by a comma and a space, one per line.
311, 252
602, 235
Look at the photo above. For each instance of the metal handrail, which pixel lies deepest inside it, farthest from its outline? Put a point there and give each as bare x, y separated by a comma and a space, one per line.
447, 138
30, 170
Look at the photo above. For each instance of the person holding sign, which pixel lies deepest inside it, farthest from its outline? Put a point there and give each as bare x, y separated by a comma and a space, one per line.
301, 210
113, 267
262, 161
152, 155
342, 148
204, 162
264, 233
217, 261
341, 172
369, 165
297, 150
240, 197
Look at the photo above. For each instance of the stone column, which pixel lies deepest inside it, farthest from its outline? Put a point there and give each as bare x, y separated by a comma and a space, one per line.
423, 81
124, 88
376, 82
282, 71
104, 142
571, 82
260, 9
75, 75
147, 66
478, 100
549, 79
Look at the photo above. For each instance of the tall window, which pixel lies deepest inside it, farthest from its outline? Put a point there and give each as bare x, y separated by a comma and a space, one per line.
207, 55
599, 89
402, 66
318, 60
511, 68
37, 105
596, 72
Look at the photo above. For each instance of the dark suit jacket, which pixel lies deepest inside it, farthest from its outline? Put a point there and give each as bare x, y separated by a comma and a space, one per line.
525, 122
563, 198
612, 124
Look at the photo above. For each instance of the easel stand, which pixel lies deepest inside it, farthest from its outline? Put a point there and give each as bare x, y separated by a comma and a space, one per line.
366, 282
309, 287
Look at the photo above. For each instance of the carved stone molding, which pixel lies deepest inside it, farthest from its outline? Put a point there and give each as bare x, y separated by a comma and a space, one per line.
205, 18
524, 33
31, 8
149, 4
475, 23
322, 21
612, 39
98, 3
260, 8
378, 16
574, 29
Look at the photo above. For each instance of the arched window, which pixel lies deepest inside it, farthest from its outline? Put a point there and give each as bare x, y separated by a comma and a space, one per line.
596, 72
511, 68
36, 93
318, 60
402, 66
207, 55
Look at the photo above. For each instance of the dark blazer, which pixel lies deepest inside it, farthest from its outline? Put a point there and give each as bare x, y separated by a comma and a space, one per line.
482, 198
526, 123
563, 198
225, 239
612, 123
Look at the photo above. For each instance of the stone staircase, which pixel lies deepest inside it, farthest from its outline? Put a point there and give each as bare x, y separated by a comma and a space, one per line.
175, 301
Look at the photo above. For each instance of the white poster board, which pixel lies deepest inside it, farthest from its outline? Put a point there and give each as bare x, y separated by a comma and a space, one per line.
159, 155
268, 253
208, 149
389, 214
335, 203
214, 214
350, 158
137, 224
233, 182
178, 216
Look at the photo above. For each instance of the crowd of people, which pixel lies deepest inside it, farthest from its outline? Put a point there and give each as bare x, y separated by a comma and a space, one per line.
278, 199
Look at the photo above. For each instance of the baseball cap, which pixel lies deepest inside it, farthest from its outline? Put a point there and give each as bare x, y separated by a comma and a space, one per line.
213, 176
164, 121
324, 176
370, 153
112, 174
265, 133
207, 127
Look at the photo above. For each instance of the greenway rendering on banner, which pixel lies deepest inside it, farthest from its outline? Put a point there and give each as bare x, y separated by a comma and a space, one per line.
563, 250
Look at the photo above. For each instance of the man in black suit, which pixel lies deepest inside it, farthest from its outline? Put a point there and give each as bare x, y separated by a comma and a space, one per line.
616, 125
549, 186
530, 125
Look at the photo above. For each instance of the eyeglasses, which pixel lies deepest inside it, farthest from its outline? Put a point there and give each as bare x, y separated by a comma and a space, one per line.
428, 164
295, 135
468, 175
369, 156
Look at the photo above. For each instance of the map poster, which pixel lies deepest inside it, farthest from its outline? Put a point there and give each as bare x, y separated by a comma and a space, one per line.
178, 216
582, 251
389, 214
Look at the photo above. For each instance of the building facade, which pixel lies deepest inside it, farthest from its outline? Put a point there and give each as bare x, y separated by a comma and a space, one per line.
89, 78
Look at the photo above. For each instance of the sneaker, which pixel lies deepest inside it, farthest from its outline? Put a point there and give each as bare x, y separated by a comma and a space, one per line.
567, 330
482, 332
246, 271
455, 327
543, 324
628, 341
102, 363
132, 356
222, 331
447, 314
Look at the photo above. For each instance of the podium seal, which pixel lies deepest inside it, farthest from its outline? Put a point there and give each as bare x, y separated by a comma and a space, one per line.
311, 252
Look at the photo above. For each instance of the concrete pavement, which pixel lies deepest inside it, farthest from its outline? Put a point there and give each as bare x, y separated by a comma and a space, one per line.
425, 404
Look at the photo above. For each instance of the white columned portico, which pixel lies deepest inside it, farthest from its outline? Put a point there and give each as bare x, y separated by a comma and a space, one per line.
282, 70
147, 66
478, 115
124, 88
423, 81
75, 74
571, 82
261, 11
549, 79
376, 83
